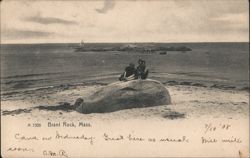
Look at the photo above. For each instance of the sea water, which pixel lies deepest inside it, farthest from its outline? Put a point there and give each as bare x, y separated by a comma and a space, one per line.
25, 66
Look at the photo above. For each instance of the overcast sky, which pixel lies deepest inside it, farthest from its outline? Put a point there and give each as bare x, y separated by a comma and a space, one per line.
124, 21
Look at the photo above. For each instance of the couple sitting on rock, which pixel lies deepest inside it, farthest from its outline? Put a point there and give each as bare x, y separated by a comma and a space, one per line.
132, 73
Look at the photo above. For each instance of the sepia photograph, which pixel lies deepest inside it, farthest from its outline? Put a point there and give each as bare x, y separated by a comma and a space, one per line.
124, 78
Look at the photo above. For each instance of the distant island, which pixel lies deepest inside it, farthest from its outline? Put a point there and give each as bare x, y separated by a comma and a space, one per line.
150, 48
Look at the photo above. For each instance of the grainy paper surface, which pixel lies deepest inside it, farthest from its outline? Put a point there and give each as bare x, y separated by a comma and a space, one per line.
54, 52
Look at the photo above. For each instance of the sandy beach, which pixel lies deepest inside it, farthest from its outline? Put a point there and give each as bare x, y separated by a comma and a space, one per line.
191, 101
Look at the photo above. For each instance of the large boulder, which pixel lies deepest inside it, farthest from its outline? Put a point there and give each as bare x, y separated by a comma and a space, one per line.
125, 95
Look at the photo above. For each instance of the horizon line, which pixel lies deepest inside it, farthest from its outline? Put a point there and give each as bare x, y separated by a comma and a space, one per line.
128, 42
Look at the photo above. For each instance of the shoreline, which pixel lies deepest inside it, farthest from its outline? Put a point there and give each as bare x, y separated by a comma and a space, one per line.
222, 85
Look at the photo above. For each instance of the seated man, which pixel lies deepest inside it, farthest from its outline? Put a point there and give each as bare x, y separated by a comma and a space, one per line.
129, 73
141, 71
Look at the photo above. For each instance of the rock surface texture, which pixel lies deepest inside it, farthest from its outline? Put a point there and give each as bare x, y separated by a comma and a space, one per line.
125, 95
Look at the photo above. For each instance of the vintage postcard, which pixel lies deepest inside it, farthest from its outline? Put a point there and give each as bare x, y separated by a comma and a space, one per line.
124, 78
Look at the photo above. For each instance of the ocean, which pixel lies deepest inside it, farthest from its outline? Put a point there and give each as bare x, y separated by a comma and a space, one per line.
31, 66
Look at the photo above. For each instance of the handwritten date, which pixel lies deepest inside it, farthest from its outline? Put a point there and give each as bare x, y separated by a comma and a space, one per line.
209, 127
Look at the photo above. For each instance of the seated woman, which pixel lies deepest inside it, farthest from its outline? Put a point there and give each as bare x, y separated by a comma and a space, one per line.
129, 73
141, 70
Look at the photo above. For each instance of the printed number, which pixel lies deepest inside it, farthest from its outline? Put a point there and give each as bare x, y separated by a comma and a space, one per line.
36, 124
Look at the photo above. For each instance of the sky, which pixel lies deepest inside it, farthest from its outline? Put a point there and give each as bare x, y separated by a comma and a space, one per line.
70, 21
